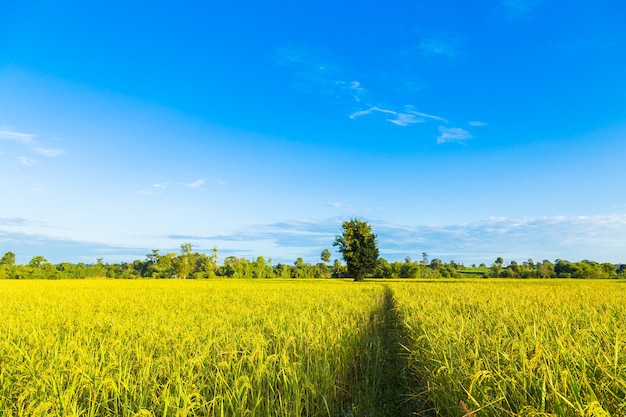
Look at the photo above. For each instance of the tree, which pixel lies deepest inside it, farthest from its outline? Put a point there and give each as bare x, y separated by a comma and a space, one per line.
325, 257
358, 247
496, 268
8, 259
37, 261
183, 264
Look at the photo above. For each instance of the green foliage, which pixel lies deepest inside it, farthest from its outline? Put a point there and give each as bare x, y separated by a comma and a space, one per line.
8, 259
188, 264
358, 247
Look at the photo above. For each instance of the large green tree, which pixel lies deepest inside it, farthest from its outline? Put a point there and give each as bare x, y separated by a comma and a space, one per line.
358, 247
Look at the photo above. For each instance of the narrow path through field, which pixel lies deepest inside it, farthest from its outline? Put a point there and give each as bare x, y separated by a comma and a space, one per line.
395, 396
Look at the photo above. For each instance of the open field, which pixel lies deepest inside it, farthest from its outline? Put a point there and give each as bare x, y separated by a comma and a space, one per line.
517, 348
312, 348
168, 348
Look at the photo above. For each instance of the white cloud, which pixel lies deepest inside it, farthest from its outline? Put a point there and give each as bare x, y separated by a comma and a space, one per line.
314, 72
50, 153
160, 186
452, 134
26, 138
599, 238
196, 184
352, 88
26, 161
401, 118
476, 123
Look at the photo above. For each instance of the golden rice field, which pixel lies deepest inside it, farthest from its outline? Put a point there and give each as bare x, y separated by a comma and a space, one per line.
312, 348
174, 348
514, 348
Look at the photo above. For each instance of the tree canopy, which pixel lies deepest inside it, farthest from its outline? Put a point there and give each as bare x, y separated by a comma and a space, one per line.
358, 247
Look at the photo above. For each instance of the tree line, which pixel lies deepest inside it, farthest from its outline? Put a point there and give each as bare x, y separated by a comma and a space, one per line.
190, 264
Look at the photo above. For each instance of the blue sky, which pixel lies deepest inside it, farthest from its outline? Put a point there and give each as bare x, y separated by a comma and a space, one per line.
467, 130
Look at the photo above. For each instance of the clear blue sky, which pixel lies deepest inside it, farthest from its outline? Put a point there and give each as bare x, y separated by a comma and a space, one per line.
467, 130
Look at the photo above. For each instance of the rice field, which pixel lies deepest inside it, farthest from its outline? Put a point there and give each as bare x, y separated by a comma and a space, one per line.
517, 348
312, 348
174, 348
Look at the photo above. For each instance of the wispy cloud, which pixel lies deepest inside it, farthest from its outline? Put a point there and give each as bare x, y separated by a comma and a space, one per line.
405, 117
352, 88
476, 123
30, 141
154, 188
16, 221
452, 134
26, 138
596, 237
26, 161
196, 184
161, 187
574, 238
50, 153
315, 72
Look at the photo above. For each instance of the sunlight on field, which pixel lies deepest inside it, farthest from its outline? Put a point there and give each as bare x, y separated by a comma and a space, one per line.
99, 348
518, 348
312, 348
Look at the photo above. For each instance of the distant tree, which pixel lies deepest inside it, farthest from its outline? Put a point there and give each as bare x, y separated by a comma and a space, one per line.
545, 269
214, 252
436, 264
260, 268
325, 256
359, 248
609, 270
409, 269
339, 270
183, 262
383, 269
496, 268
300, 269
8, 259
37, 261
320, 270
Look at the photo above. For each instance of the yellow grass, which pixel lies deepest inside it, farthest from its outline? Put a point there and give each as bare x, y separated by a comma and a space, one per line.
172, 348
312, 348
517, 348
